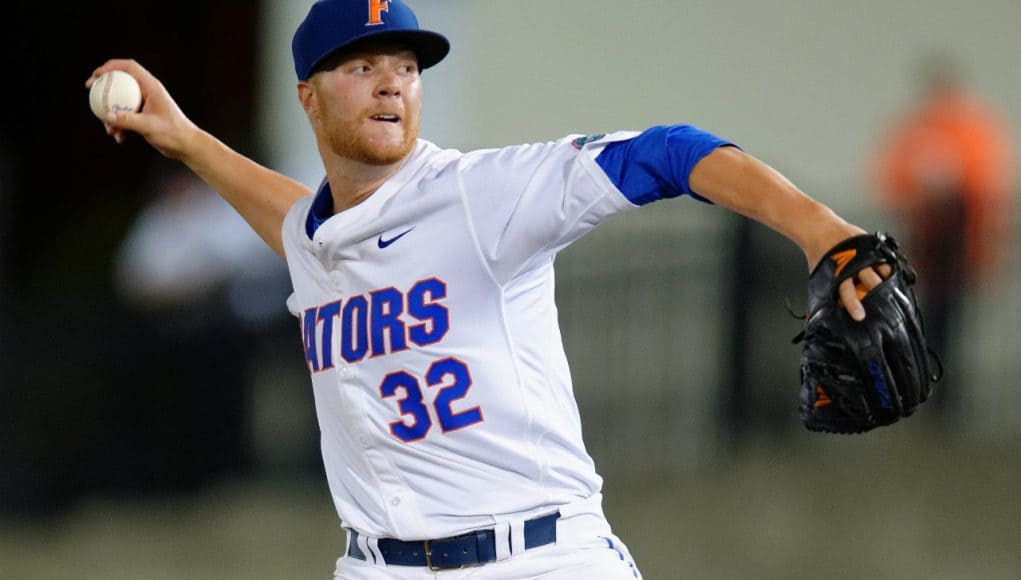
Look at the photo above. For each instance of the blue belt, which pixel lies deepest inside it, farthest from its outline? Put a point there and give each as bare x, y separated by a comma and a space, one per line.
471, 549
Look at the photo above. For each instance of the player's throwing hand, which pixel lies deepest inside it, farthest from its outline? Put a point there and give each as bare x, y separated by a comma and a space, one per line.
160, 121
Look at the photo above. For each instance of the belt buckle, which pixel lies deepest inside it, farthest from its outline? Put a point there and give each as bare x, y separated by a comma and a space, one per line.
429, 558
434, 568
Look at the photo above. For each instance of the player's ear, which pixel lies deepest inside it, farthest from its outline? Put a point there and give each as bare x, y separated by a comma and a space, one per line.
306, 96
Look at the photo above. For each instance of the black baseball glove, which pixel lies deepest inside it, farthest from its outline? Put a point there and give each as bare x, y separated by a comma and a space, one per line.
856, 376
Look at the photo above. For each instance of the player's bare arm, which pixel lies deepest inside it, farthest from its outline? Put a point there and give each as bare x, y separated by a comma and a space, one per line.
738, 181
260, 195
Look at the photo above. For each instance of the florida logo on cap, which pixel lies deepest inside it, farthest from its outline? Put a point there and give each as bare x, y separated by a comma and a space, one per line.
331, 25
376, 10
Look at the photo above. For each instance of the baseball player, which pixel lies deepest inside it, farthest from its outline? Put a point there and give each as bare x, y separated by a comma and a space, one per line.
423, 288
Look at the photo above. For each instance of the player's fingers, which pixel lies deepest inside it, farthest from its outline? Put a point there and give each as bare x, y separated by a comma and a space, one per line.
130, 66
117, 134
112, 64
849, 298
121, 121
870, 278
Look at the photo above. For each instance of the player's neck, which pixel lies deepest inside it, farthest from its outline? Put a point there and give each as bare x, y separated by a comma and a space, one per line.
352, 182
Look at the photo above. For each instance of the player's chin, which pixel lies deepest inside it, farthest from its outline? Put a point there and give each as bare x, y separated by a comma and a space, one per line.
374, 148
386, 152
391, 146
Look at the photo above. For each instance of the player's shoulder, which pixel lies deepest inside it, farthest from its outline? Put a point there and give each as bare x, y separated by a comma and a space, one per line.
427, 160
568, 144
301, 206
532, 152
294, 221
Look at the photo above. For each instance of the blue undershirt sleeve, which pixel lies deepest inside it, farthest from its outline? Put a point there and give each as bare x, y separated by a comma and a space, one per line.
656, 164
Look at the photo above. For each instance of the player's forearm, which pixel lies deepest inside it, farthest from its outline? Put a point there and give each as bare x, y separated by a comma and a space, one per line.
262, 196
733, 179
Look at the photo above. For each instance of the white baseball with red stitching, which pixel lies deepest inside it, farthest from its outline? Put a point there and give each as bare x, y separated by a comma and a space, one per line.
115, 91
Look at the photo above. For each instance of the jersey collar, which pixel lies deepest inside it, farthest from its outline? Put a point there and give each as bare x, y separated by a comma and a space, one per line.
321, 210
322, 204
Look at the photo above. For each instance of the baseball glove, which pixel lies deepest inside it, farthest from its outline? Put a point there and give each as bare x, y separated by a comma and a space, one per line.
856, 376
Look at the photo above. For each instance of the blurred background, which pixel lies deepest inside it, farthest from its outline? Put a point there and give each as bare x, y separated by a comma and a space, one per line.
156, 418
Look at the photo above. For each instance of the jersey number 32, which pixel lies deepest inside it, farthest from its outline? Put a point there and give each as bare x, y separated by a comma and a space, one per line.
450, 374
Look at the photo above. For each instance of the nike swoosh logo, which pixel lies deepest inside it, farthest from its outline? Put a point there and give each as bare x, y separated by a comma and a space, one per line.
384, 243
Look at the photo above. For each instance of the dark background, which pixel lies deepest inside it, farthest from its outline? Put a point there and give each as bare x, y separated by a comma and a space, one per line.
94, 394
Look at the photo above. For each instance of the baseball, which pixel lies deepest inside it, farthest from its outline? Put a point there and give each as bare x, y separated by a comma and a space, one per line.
115, 91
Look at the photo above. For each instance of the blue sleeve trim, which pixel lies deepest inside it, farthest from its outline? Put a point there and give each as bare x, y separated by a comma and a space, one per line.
656, 164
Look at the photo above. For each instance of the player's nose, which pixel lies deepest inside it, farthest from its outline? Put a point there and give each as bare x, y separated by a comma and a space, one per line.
389, 85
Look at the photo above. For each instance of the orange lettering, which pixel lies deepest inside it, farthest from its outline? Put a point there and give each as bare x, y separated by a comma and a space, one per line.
376, 10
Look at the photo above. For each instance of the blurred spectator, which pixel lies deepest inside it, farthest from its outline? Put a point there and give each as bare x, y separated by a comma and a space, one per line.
206, 290
945, 171
189, 245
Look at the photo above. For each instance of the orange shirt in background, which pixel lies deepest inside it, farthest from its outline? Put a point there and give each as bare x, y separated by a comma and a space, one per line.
953, 145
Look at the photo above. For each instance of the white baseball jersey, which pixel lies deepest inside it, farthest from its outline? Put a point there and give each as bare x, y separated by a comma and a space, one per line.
429, 326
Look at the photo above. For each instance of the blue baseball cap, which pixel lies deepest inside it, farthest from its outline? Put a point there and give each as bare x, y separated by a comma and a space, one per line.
335, 24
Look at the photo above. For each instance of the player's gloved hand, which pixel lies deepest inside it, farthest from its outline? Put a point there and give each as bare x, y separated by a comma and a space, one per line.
860, 374
160, 121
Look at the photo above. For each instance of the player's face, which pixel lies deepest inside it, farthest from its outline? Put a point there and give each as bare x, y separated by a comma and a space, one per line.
366, 108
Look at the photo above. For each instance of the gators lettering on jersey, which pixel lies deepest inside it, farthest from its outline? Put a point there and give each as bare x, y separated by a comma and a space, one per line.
373, 324
430, 330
